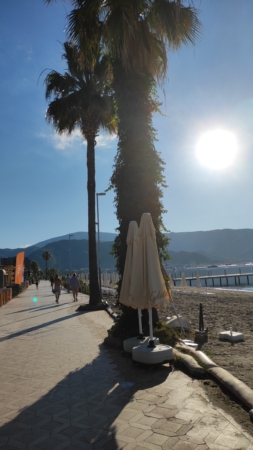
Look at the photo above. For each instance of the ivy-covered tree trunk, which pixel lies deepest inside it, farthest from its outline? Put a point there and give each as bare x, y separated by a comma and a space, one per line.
138, 170
91, 188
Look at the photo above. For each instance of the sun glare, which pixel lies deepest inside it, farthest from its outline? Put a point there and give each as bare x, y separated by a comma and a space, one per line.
217, 149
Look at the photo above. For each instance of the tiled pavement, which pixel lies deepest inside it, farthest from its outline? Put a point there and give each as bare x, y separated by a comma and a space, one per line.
61, 389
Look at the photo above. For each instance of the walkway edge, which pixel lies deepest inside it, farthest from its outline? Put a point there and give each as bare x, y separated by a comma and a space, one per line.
238, 388
190, 363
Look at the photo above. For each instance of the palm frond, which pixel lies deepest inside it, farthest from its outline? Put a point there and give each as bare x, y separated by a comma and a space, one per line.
81, 97
174, 22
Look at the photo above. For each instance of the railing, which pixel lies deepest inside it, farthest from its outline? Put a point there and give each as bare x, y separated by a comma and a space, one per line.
237, 279
5, 296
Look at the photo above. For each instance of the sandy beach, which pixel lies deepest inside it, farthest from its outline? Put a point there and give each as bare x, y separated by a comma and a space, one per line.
222, 309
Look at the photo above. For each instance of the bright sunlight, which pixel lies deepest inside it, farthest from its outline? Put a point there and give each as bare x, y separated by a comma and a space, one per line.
217, 149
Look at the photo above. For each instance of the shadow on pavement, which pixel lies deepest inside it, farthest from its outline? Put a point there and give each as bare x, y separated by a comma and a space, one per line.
34, 309
80, 411
56, 307
37, 327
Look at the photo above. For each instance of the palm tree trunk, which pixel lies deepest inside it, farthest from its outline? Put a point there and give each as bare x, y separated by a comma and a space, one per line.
91, 188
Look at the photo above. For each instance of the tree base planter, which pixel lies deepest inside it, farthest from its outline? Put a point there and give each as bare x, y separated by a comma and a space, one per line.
87, 307
232, 336
152, 355
130, 343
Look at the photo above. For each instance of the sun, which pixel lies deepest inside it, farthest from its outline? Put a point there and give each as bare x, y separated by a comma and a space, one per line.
217, 149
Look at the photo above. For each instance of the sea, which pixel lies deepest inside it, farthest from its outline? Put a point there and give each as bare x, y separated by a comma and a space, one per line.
226, 269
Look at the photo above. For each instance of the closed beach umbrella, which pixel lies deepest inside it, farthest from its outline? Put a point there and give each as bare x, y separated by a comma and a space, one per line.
148, 289
132, 239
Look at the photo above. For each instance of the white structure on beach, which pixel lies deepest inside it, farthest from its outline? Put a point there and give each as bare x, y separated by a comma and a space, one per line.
198, 282
183, 280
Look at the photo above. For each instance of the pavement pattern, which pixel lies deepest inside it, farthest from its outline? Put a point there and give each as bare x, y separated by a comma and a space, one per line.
60, 388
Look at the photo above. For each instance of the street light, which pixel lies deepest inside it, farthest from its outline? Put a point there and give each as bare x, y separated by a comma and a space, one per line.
70, 236
99, 268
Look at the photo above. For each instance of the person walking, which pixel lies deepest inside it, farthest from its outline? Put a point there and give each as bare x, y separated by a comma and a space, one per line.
57, 284
74, 284
37, 282
52, 281
68, 282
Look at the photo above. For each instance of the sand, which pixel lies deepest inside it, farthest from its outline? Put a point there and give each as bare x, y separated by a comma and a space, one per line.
222, 309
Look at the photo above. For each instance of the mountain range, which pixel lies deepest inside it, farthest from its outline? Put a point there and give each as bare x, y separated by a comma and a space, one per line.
198, 247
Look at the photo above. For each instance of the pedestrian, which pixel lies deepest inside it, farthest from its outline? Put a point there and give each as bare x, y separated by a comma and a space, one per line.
68, 282
74, 284
52, 281
37, 282
57, 284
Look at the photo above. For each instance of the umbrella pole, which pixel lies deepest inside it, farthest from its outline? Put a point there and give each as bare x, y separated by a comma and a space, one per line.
151, 343
141, 336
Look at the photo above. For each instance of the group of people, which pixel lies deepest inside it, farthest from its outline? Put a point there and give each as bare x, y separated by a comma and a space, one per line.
72, 283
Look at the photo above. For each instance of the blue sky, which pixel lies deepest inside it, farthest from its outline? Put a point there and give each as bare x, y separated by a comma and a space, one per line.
43, 176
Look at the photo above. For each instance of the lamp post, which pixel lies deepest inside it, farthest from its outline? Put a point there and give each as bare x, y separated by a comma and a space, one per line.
70, 236
99, 268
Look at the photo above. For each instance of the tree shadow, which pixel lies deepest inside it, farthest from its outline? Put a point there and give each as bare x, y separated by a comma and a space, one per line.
38, 327
34, 308
32, 317
80, 411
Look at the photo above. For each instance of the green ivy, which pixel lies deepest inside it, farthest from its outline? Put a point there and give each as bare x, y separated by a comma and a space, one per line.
138, 176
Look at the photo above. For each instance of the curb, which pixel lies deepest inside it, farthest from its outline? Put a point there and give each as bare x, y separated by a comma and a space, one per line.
113, 315
190, 363
238, 388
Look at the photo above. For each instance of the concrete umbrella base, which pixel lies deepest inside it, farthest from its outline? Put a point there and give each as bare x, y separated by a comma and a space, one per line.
152, 355
130, 343
232, 336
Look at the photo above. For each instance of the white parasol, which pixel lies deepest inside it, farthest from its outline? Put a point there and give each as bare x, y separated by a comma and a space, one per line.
148, 289
132, 239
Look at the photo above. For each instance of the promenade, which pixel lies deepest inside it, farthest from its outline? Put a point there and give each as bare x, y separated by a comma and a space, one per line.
60, 388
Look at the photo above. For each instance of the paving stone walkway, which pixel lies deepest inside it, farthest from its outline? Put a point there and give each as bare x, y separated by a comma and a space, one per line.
60, 388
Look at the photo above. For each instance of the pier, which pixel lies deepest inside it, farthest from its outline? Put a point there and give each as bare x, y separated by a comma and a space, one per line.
237, 279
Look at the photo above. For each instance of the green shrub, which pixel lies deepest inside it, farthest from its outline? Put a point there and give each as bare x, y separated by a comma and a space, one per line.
166, 335
17, 289
84, 287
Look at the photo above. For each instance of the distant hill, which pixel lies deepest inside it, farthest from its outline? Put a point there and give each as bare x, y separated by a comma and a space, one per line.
198, 247
221, 245
79, 255
79, 235
189, 258
8, 252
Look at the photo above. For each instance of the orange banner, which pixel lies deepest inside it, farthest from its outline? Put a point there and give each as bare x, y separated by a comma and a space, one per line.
19, 267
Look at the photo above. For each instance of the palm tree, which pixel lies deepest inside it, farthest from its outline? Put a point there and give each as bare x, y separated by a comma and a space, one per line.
35, 267
46, 256
83, 99
137, 34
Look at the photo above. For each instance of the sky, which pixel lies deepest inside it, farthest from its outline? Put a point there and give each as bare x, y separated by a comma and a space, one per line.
209, 87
